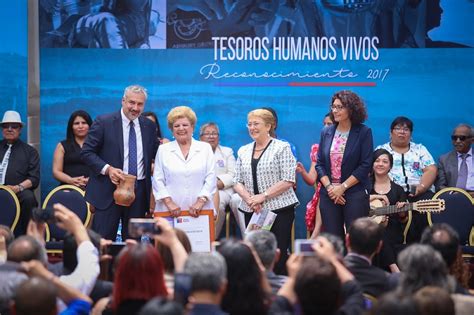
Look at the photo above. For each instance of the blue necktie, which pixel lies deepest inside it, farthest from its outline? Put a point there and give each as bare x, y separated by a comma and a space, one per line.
132, 151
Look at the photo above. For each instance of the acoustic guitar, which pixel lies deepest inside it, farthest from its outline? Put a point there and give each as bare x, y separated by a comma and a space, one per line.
378, 210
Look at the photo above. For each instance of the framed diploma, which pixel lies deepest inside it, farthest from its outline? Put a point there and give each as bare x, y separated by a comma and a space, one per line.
200, 230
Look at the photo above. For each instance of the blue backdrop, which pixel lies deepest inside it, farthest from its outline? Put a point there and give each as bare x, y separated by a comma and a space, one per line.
13, 58
431, 86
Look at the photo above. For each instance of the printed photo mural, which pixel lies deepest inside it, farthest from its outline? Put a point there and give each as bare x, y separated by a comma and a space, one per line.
226, 59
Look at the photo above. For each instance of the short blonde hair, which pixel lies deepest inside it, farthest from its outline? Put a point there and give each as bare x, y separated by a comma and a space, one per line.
181, 112
266, 116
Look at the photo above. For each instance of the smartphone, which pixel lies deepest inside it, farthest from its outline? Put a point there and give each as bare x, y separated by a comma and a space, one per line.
182, 288
115, 248
43, 215
304, 247
138, 227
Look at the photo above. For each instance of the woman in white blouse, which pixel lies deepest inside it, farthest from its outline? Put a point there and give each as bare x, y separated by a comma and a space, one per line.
184, 176
264, 178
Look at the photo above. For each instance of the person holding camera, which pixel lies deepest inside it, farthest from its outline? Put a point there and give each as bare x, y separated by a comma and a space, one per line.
413, 168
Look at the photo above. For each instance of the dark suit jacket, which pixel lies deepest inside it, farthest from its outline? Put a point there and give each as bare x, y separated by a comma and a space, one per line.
373, 280
104, 145
448, 170
357, 159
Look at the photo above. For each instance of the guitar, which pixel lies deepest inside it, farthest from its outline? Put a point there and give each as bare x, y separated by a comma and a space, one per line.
377, 210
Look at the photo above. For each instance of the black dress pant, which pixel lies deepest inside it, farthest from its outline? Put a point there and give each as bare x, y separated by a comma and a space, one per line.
335, 216
27, 203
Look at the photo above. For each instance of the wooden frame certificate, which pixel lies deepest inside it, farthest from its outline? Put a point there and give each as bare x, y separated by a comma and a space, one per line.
200, 230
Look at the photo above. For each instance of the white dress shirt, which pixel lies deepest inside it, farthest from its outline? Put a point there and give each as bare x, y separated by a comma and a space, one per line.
184, 180
126, 133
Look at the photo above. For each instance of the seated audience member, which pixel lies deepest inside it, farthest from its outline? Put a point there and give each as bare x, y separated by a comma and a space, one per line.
83, 277
161, 306
225, 169
7, 233
456, 168
444, 239
68, 167
413, 168
394, 303
363, 242
265, 244
434, 301
138, 278
167, 257
421, 266
387, 192
246, 285
139, 275
70, 264
19, 167
319, 284
209, 282
30, 294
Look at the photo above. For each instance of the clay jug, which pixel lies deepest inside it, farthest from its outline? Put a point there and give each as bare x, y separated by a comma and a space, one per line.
124, 195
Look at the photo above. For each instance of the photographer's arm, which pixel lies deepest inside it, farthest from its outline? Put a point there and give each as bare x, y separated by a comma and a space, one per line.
168, 237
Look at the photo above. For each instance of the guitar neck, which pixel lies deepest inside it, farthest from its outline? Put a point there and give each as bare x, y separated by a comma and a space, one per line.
393, 209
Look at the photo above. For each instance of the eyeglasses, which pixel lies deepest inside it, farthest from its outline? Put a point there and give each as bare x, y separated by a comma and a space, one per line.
12, 126
401, 129
210, 134
462, 138
337, 107
253, 124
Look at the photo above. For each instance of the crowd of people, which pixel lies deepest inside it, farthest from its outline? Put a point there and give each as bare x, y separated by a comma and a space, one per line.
254, 276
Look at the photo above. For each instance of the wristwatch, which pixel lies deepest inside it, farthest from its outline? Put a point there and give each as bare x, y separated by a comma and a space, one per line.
203, 199
21, 187
345, 185
265, 195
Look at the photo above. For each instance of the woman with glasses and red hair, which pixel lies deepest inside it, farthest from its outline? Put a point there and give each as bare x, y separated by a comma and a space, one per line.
139, 274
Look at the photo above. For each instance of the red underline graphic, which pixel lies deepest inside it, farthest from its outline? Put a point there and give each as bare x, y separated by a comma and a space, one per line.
332, 84
293, 84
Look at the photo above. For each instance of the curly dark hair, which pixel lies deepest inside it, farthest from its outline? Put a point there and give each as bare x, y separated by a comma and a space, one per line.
355, 105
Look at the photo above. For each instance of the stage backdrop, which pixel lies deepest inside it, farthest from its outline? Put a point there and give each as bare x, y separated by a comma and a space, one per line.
224, 62
13, 59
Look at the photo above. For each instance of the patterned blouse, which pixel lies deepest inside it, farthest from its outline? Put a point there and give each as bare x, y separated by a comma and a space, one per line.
276, 163
338, 146
408, 167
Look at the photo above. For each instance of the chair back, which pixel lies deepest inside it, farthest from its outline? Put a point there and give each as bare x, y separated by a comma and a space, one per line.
71, 197
459, 212
9, 207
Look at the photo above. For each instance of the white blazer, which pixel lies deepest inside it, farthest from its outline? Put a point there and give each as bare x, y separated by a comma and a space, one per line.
225, 167
184, 180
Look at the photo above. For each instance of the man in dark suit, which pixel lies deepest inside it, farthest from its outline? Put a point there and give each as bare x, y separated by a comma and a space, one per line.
456, 168
120, 143
19, 167
363, 242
